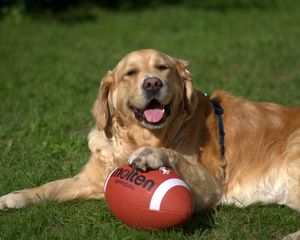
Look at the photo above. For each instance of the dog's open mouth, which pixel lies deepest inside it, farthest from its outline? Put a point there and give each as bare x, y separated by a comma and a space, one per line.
154, 113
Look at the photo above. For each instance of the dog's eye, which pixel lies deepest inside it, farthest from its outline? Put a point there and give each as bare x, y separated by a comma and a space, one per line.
131, 72
162, 67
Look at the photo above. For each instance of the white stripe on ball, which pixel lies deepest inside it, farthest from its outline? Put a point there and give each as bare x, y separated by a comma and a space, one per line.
161, 191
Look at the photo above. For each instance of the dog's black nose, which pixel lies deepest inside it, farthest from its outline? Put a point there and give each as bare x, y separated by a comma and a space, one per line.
152, 84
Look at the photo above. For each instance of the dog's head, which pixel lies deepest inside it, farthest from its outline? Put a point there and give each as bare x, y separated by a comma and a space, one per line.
146, 87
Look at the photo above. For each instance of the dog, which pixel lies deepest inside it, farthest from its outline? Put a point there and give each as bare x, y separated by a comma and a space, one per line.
227, 149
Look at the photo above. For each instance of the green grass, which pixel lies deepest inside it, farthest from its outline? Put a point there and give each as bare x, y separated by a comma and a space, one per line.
49, 75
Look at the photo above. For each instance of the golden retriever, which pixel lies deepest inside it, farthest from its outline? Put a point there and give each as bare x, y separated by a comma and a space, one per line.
148, 113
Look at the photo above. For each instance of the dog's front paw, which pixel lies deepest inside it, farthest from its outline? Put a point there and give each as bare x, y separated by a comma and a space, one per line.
293, 236
13, 200
147, 158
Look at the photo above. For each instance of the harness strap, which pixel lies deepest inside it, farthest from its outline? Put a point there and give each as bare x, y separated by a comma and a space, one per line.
219, 111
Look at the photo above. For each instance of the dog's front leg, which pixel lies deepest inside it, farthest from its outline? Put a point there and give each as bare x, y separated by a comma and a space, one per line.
205, 189
88, 184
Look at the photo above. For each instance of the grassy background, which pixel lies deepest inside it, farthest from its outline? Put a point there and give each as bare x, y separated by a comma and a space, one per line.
49, 78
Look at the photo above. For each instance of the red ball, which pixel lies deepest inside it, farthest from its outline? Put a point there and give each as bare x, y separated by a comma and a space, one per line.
155, 199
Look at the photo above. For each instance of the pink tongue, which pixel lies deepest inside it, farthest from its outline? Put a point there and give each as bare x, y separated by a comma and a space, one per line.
154, 115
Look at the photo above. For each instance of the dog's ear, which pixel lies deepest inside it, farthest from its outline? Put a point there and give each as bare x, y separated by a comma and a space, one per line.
102, 109
184, 74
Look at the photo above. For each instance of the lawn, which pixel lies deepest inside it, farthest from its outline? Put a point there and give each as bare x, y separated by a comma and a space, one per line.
49, 74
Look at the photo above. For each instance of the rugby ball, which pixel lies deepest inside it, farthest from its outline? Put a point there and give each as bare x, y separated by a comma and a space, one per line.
156, 199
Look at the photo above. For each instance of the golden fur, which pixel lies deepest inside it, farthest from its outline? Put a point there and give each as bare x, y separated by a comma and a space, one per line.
262, 141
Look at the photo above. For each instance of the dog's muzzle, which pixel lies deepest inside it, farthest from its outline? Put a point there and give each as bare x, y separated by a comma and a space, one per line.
155, 112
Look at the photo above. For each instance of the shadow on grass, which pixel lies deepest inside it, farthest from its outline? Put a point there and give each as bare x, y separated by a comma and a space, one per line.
73, 16
199, 223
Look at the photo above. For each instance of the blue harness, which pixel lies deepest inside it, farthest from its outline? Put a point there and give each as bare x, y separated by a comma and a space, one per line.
219, 111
